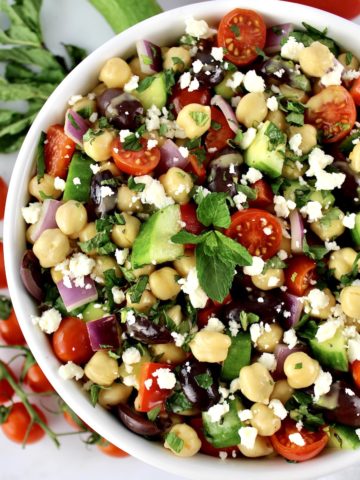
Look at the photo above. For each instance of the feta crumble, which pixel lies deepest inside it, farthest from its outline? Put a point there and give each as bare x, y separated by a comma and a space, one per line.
217, 53
333, 77
132, 84
312, 210
191, 286
253, 82
295, 142
256, 267
76, 181
59, 184
131, 355
118, 295
151, 143
32, 212
153, 193
278, 408
214, 325
327, 330
317, 301
282, 206
49, 321
291, 49
216, 412
198, 28
248, 138
70, 370
297, 439
235, 81
268, 360
165, 378
322, 384
121, 255
245, 415
248, 436
178, 338
349, 221
290, 338
272, 104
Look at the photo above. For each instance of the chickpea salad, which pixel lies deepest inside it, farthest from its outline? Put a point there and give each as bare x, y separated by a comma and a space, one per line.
193, 237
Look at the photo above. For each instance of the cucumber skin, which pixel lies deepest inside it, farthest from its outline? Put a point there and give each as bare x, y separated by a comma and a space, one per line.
226, 432
343, 437
155, 94
239, 356
79, 167
331, 353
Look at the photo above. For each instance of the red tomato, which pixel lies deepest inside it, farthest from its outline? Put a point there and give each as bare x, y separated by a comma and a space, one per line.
206, 446
71, 341
3, 282
10, 330
299, 274
37, 381
181, 97
135, 162
345, 8
315, 442
188, 216
3, 194
355, 91
58, 151
197, 166
227, 299
247, 227
242, 32
204, 314
74, 421
264, 195
333, 112
355, 371
110, 449
6, 390
154, 396
16, 426
218, 137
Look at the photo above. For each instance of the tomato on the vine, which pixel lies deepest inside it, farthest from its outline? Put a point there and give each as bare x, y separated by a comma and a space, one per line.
6, 390
135, 162
71, 341
110, 449
18, 426
10, 330
36, 380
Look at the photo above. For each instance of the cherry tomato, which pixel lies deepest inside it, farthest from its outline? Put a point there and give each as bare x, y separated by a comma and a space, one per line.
247, 227
188, 216
197, 164
355, 371
71, 341
3, 282
16, 426
6, 390
110, 449
204, 314
58, 151
3, 194
299, 274
242, 33
73, 420
264, 195
135, 162
315, 442
10, 330
154, 396
181, 97
206, 446
332, 112
219, 134
37, 381
355, 91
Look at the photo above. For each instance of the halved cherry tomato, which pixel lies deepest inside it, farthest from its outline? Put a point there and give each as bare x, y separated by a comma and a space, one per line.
355, 91
151, 396
110, 449
299, 274
204, 314
196, 165
6, 390
206, 446
181, 97
135, 162
16, 426
242, 33
10, 330
332, 112
71, 341
3, 194
188, 216
217, 138
264, 195
58, 151
315, 442
355, 371
37, 381
3, 282
247, 227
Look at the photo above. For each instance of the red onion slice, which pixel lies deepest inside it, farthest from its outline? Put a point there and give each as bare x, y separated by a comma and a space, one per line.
171, 157
30, 273
75, 297
227, 111
274, 36
104, 333
47, 218
296, 231
281, 352
294, 305
75, 126
149, 56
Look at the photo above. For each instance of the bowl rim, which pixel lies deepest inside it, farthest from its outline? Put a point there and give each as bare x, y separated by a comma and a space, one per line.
198, 467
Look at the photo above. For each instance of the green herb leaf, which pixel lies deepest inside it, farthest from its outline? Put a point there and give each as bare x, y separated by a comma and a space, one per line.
177, 61
132, 142
100, 244
146, 59
106, 224
178, 403
204, 380
76, 54
5, 307
40, 157
247, 318
94, 394
145, 83
200, 118
275, 135
295, 118
213, 210
135, 187
348, 58
175, 443
169, 80
274, 262
153, 414
137, 290
350, 277
316, 252
186, 237
235, 29
215, 125
298, 366
248, 191
231, 250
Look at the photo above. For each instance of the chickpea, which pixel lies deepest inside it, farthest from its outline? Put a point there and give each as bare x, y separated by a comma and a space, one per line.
85, 105
56, 275
175, 314
124, 235
115, 73
262, 448
111, 167
301, 370
102, 264
147, 301
177, 184
208, 346
30, 233
272, 278
98, 147
163, 283
308, 136
329, 231
71, 217
341, 262
286, 245
264, 420
316, 60
323, 313
256, 383
102, 369
51, 248
194, 119
169, 352
278, 119
269, 339
138, 272
355, 158
252, 109
127, 201
136, 68
184, 264
117, 393
188, 435
88, 232
282, 391
350, 301
177, 53
294, 94
44, 187
353, 64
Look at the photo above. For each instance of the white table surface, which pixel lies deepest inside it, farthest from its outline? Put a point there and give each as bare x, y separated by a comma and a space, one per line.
75, 21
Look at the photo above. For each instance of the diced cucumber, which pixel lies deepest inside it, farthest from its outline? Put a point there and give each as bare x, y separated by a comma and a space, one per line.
300, 81
224, 433
94, 311
239, 355
80, 171
153, 244
344, 437
355, 232
265, 157
332, 352
223, 90
324, 197
123, 369
155, 94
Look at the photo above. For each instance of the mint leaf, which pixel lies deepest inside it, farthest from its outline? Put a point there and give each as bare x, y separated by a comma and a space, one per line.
175, 443
186, 237
213, 210
316, 252
233, 251
200, 118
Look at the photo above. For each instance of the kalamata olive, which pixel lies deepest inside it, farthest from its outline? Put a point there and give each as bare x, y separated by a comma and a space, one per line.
148, 332
123, 110
347, 194
30, 272
103, 203
225, 172
211, 73
201, 397
103, 100
136, 422
343, 401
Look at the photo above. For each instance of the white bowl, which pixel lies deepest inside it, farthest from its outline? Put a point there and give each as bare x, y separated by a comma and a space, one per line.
162, 29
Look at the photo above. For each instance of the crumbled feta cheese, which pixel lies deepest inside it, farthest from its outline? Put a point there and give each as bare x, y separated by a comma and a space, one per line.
331, 246
256, 267
235, 81
94, 168
191, 286
217, 53
194, 85
240, 199
297, 439
185, 80
151, 143
153, 193
148, 383
291, 49
248, 138
354, 349
80, 265
76, 181
290, 338
179, 339
245, 415
106, 191
130, 381
256, 330
350, 75
165, 378
278, 408
121, 255
327, 330
70, 370
322, 384
248, 436
349, 221
272, 104
198, 28
274, 282
130, 317
282, 254
49, 321
216, 412
318, 160
223, 455
197, 66
253, 82
295, 142
333, 77
184, 152
132, 84
131, 355
282, 206
268, 360
118, 295
317, 301
214, 325
252, 175
93, 117
279, 73
357, 431
313, 211
74, 99
349, 392
59, 184
329, 181
32, 212
234, 328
